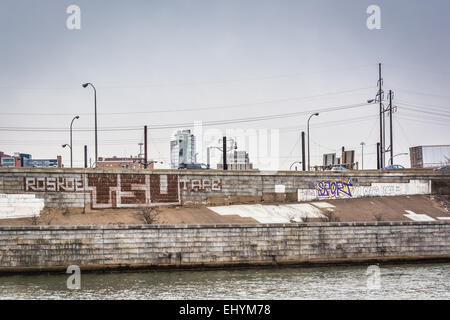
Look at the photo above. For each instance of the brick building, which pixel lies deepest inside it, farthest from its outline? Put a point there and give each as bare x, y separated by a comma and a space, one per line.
25, 160
124, 163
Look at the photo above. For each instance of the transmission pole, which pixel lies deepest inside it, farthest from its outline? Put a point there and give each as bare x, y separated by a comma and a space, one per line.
224, 153
391, 147
380, 95
145, 148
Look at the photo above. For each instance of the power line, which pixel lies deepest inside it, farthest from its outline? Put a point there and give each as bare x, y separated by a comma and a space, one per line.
329, 123
436, 107
415, 69
181, 125
194, 83
192, 109
423, 93
421, 120
427, 111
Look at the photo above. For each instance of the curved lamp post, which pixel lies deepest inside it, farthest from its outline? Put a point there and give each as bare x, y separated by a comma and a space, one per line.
71, 144
309, 158
299, 162
399, 154
95, 106
68, 145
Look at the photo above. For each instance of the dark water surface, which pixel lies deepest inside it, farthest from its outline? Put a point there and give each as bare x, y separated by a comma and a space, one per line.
414, 281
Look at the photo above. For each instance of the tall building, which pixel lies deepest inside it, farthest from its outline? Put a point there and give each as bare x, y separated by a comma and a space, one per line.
237, 160
182, 149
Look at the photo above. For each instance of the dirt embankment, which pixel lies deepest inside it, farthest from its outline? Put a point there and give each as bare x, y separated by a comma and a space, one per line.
362, 209
161, 215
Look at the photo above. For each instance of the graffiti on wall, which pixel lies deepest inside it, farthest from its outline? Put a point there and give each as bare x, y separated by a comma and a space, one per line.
113, 190
201, 185
334, 189
340, 189
54, 184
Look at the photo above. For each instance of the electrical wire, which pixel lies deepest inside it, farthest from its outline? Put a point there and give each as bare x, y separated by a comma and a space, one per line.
33, 114
183, 125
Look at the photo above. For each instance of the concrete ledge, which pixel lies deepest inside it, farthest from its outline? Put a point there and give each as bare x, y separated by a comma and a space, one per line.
413, 173
228, 265
222, 225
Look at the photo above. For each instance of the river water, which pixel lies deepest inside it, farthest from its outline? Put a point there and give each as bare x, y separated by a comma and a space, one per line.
414, 281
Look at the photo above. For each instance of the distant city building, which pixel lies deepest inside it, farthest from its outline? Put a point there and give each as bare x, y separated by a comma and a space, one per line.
347, 160
25, 160
9, 161
329, 160
123, 163
237, 160
429, 156
182, 149
43, 163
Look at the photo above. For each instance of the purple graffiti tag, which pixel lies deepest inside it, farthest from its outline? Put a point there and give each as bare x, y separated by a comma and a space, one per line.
334, 189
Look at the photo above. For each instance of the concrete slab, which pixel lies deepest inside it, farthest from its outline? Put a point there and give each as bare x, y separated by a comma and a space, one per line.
284, 213
418, 217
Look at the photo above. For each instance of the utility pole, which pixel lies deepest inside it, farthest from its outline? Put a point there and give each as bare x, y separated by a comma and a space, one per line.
380, 98
391, 148
378, 155
362, 155
85, 157
145, 147
303, 152
224, 150
208, 157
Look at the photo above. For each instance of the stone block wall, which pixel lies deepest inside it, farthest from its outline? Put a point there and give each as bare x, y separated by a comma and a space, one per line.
104, 189
35, 248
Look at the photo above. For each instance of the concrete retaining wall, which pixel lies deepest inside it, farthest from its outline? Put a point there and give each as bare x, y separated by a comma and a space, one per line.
141, 246
101, 189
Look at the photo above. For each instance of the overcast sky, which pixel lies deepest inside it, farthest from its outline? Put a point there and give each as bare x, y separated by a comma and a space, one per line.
175, 62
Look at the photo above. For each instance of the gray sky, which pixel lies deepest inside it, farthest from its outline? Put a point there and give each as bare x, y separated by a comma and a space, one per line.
227, 60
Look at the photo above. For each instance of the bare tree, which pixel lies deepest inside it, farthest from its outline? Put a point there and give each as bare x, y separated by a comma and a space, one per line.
151, 215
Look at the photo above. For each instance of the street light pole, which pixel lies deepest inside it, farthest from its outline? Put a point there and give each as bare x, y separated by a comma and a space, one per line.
95, 106
71, 144
290, 167
309, 158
